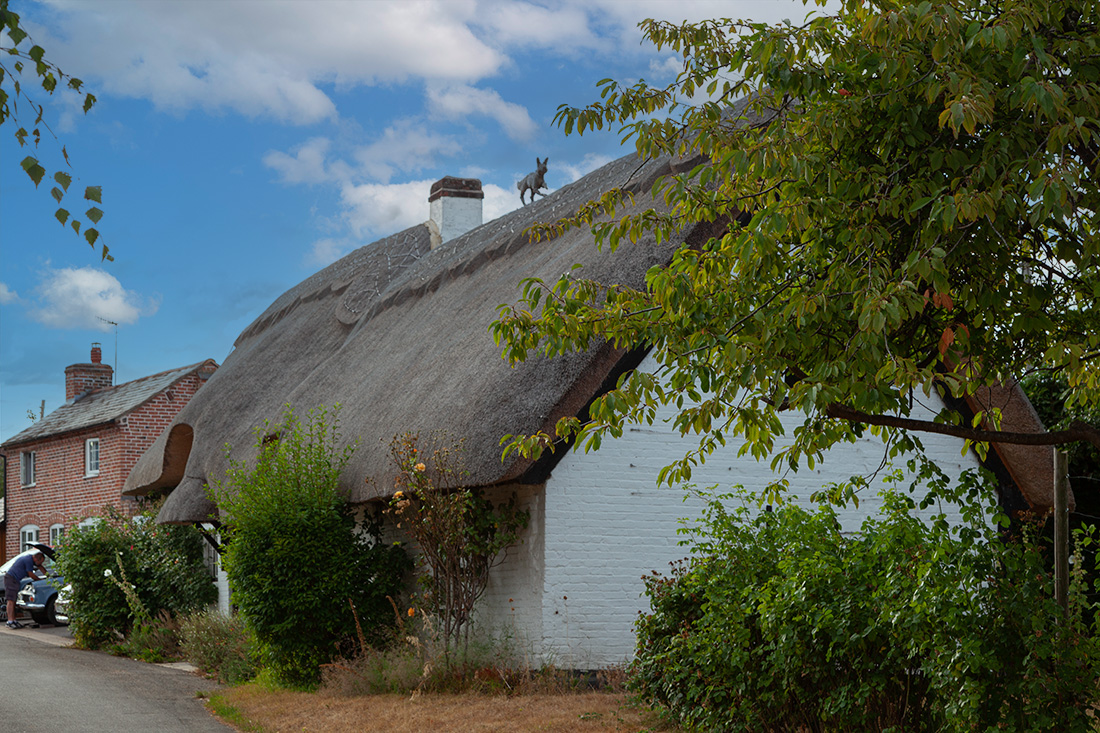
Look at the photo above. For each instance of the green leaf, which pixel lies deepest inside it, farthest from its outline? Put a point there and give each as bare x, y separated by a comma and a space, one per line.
64, 179
62, 216
95, 214
33, 169
91, 235
57, 194
919, 204
94, 193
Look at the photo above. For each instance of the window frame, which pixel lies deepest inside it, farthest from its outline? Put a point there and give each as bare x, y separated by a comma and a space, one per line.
88, 450
57, 531
28, 468
26, 529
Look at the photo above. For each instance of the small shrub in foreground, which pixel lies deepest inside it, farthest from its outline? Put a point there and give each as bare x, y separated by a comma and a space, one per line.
220, 646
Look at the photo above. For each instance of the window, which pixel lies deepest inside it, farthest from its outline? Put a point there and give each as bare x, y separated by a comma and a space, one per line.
210, 557
27, 535
27, 468
91, 457
56, 531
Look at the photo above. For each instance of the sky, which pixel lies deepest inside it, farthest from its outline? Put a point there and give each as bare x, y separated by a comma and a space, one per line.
242, 145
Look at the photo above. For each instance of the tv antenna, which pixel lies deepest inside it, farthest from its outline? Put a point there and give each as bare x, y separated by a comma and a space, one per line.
114, 376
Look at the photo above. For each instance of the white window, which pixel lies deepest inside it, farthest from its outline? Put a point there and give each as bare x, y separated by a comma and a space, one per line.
91, 457
27, 534
210, 556
56, 531
27, 468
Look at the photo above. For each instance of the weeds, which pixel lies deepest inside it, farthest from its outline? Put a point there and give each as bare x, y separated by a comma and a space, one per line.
220, 646
413, 663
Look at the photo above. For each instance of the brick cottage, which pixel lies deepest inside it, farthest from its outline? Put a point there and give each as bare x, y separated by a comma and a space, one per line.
74, 461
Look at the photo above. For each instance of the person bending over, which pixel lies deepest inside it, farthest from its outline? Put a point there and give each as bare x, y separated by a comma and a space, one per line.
21, 568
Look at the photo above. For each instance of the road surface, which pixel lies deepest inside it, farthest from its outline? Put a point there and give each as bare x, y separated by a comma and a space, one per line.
49, 688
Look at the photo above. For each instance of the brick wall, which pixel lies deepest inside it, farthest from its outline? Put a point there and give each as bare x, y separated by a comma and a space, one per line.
62, 494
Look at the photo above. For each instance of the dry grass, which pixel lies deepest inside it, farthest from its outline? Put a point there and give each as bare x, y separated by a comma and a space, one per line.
277, 711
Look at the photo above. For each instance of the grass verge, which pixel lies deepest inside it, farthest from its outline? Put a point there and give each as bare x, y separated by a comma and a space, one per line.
257, 708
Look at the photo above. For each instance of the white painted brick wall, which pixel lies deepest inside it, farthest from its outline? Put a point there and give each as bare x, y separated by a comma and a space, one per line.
602, 523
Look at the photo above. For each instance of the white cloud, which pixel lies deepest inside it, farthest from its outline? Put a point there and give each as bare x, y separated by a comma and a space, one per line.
461, 101
404, 147
79, 298
589, 163
7, 295
667, 67
564, 26
382, 209
307, 165
326, 251
498, 202
269, 58
281, 58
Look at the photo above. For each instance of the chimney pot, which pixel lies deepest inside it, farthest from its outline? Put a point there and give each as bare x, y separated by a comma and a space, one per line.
97, 353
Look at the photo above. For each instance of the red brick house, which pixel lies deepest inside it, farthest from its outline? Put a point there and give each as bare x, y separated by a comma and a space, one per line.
75, 460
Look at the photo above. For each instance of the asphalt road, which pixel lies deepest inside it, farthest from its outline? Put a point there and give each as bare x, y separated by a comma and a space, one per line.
46, 687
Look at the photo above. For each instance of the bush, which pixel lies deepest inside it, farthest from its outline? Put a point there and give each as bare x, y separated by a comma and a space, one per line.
461, 535
220, 646
782, 623
164, 563
295, 558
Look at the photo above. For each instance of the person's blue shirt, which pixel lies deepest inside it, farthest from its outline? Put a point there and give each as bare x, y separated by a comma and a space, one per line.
22, 567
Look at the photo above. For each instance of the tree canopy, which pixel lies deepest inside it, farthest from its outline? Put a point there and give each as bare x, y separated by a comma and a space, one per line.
918, 215
27, 57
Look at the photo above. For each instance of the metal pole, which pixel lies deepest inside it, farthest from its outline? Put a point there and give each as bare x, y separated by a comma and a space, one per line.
1061, 530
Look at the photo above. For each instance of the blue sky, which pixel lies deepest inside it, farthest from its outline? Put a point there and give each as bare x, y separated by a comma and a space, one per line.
244, 144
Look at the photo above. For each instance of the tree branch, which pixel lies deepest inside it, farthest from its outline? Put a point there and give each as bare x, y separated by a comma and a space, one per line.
1077, 431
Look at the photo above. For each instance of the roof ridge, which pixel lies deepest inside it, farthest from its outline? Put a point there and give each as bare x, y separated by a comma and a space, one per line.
87, 409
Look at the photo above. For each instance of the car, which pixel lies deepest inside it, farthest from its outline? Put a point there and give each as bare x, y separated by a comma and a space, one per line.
39, 597
61, 605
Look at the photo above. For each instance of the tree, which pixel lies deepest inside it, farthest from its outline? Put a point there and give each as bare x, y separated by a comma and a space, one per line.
909, 206
49, 77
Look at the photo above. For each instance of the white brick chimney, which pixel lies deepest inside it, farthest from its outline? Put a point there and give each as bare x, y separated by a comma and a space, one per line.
455, 207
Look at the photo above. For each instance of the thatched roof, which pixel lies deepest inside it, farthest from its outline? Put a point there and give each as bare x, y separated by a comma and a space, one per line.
398, 334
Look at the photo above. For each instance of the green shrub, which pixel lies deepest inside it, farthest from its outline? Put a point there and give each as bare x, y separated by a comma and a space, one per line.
163, 562
295, 557
781, 623
219, 645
